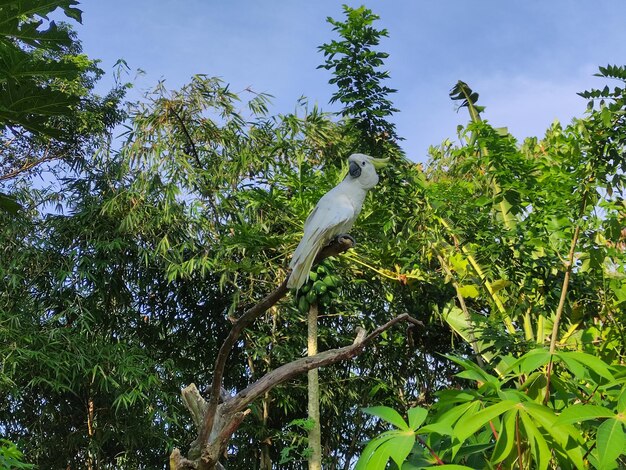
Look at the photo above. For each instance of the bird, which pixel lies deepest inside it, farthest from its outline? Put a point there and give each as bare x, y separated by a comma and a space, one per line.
334, 214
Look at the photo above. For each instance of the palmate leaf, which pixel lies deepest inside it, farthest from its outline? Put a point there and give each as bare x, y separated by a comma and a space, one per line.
17, 65
567, 437
30, 106
52, 38
589, 362
14, 10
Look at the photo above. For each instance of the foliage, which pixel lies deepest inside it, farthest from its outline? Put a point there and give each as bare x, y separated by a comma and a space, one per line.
32, 59
123, 294
11, 457
48, 110
525, 234
356, 72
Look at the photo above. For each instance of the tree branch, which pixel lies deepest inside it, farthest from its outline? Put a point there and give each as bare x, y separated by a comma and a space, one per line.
336, 247
292, 369
231, 413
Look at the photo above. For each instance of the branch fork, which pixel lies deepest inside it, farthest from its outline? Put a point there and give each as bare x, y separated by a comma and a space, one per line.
217, 418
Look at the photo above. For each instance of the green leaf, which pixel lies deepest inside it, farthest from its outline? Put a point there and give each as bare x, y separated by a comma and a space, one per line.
566, 435
580, 412
387, 414
9, 204
449, 466
417, 416
621, 402
438, 427
530, 361
593, 363
372, 448
610, 440
506, 438
469, 291
539, 446
469, 424
401, 446
500, 284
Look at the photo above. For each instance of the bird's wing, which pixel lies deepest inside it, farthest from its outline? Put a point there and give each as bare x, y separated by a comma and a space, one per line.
333, 214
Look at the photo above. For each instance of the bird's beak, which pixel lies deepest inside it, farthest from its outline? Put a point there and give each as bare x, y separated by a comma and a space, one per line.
380, 162
355, 170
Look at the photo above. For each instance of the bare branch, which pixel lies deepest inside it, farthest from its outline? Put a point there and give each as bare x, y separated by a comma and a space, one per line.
288, 371
336, 247
229, 415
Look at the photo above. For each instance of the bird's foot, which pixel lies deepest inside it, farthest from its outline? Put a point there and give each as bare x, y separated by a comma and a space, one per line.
349, 237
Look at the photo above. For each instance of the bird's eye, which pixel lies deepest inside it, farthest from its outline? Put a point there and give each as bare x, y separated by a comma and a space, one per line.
363, 163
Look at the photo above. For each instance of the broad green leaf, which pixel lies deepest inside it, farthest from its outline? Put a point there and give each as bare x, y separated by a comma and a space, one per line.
401, 446
371, 448
469, 424
506, 438
610, 440
387, 414
580, 412
593, 363
539, 446
417, 416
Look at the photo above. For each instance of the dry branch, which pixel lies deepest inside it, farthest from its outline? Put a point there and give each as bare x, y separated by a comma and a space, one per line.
229, 414
216, 422
336, 247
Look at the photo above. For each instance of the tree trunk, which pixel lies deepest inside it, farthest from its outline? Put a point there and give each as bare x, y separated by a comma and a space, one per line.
315, 443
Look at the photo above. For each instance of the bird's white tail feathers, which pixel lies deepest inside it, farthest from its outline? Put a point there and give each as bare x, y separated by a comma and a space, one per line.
301, 263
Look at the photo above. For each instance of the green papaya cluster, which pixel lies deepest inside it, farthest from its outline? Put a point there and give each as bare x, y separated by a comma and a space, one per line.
320, 288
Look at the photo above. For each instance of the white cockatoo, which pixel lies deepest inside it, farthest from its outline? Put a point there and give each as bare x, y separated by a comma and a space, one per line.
334, 214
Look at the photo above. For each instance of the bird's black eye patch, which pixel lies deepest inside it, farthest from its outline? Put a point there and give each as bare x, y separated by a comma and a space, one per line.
363, 163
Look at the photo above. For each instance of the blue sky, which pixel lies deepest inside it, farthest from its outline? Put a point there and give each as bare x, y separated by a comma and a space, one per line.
526, 59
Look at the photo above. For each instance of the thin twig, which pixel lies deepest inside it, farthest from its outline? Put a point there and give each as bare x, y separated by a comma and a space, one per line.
432, 452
